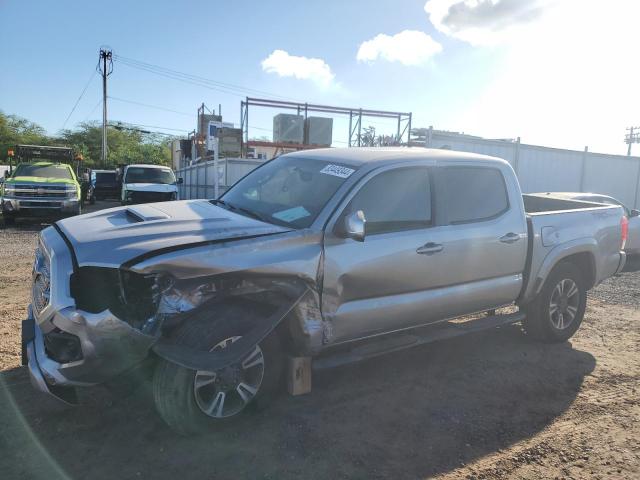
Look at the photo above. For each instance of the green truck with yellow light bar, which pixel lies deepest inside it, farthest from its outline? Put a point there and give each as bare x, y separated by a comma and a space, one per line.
42, 184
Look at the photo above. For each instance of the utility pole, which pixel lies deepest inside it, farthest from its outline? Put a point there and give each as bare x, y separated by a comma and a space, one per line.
632, 137
105, 67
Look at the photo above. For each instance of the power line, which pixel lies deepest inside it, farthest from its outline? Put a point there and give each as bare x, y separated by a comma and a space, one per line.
228, 88
133, 102
154, 126
93, 110
121, 126
78, 100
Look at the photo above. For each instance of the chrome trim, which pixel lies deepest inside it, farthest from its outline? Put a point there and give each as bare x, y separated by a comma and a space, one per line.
60, 271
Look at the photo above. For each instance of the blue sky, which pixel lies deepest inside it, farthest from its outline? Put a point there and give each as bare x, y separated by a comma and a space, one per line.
480, 66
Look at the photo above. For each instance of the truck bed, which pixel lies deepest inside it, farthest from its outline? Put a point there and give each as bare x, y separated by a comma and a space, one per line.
537, 203
558, 227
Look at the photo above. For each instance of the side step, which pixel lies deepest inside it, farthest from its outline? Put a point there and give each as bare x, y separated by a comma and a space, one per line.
413, 338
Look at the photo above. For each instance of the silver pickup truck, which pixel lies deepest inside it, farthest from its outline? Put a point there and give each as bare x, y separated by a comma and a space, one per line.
334, 254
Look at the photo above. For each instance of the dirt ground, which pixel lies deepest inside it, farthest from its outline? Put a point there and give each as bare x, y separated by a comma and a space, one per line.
486, 406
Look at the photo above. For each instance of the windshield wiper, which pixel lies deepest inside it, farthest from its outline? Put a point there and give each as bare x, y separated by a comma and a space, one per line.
246, 211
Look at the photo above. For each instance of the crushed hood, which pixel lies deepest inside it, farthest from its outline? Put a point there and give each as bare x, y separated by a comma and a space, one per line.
117, 235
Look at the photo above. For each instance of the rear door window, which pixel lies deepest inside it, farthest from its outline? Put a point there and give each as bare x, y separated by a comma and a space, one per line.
474, 194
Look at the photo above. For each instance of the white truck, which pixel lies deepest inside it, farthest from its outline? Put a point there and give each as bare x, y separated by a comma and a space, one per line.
144, 183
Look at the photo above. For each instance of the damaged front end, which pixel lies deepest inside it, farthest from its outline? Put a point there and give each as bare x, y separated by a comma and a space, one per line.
160, 295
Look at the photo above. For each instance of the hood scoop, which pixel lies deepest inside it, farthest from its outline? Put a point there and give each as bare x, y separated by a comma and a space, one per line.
145, 213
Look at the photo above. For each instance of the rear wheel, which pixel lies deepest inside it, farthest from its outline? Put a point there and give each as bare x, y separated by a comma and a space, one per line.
194, 401
557, 312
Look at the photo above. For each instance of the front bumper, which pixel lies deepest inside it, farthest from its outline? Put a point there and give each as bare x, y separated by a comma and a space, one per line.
133, 197
40, 206
107, 345
31, 349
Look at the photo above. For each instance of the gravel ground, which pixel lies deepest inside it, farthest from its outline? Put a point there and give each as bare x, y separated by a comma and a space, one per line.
487, 406
623, 289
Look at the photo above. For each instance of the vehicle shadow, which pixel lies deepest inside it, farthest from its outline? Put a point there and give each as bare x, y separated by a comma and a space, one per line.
410, 414
633, 263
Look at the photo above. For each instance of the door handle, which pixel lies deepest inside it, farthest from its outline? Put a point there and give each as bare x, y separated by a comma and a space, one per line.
429, 248
510, 238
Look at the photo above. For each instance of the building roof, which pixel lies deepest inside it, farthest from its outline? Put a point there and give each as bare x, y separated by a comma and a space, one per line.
357, 156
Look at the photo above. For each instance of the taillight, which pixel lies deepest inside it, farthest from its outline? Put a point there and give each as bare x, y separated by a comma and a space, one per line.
624, 226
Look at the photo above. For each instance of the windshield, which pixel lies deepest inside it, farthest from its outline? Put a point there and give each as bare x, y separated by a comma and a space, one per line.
288, 190
105, 177
48, 171
149, 175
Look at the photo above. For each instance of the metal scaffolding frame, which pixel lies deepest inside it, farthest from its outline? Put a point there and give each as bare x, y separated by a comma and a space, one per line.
355, 120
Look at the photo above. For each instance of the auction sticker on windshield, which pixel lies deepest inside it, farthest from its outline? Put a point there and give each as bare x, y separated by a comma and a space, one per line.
337, 171
291, 214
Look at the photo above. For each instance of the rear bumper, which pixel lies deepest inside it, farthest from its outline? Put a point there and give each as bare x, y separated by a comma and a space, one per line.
622, 262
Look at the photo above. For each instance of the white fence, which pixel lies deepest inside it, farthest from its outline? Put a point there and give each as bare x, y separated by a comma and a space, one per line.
198, 179
544, 169
539, 169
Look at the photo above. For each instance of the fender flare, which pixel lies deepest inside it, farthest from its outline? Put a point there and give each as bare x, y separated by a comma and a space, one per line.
556, 255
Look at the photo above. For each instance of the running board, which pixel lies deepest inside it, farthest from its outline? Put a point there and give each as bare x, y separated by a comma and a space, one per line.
421, 336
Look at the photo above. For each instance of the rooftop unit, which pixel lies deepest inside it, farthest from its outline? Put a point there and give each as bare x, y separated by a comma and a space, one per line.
288, 128
319, 131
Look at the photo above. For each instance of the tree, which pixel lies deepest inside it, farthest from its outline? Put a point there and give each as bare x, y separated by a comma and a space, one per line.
125, 144
15, 130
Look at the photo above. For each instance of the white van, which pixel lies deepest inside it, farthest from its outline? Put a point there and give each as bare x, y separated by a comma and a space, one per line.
148, 183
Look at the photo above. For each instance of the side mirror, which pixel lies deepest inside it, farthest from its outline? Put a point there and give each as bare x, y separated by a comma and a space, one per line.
635, 213
6, 174
354, 226
180, 180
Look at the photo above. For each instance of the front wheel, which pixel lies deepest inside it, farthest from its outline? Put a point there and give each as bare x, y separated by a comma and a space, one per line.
194, 401
557, 312
9, 219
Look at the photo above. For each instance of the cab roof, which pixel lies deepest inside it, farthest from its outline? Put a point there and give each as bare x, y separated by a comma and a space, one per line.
357, 156
148, 165
46, 164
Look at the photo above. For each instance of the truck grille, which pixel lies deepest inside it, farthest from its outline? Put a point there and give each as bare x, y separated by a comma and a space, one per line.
41, 288
29, 204
40, 191
146, 197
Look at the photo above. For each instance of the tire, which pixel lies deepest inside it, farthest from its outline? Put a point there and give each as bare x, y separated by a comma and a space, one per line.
551, 319
9, 219
178, 400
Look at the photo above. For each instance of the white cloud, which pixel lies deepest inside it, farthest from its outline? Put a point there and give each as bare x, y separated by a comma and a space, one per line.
484, 22
286, 65
567, 82
409, 47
